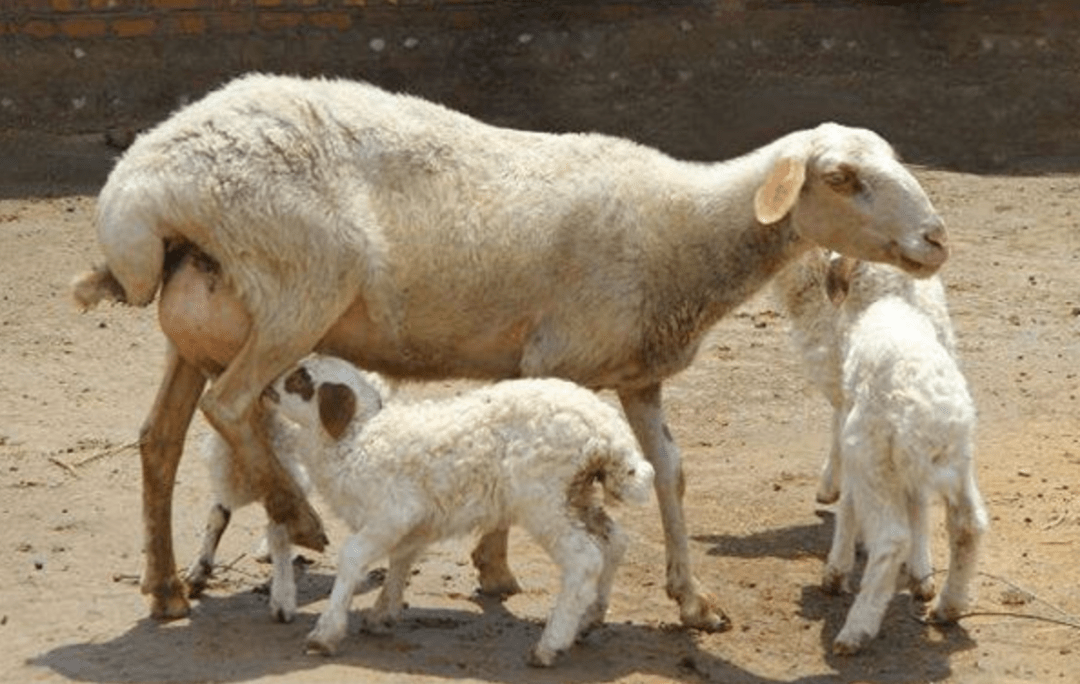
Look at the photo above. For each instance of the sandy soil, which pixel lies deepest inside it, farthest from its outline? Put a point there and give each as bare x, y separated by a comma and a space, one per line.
75, 388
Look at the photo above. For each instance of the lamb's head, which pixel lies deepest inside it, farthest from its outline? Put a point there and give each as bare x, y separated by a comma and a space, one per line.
326, 395
845, 189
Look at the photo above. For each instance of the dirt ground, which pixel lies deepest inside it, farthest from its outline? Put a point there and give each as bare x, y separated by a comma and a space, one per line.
74, 389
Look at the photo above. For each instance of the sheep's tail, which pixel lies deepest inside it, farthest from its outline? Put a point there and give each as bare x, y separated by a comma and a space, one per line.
90, 288
134, 251
625, 474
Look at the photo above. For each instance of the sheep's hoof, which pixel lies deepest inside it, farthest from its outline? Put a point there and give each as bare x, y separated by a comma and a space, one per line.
282, 614
169, 602
378, 625
835, 582
826, 496
846, 645
700, 612
944, 614
542, 657
316, 646
922, 590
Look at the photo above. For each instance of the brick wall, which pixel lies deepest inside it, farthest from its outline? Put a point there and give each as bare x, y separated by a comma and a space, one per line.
972, 84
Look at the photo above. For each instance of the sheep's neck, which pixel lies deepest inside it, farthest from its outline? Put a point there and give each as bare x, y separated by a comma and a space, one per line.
727, 255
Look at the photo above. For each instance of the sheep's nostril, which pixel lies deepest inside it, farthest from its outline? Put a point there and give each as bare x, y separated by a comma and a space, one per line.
937, 236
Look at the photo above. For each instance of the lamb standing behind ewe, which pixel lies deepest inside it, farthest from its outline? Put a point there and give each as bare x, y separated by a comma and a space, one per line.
903, 430
524, 452
281, 215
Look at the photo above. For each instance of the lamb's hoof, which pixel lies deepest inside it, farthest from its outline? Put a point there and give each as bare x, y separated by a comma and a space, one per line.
542, 657
835, 582
826, 496
849, 644
196, 579
169, 602
943, 614
282, 614
315, 645
922, 590
700, 612
377, 625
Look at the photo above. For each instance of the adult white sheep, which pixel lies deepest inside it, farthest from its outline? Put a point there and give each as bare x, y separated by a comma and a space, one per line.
520, 452
903, 433
418, 242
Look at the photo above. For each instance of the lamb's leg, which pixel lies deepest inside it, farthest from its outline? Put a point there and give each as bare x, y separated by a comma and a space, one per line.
282, 582
391, 599
356, 554
841, 559
829, 489
490, 560
203, 566
231, 406
646, 417
161, 443
582, 564
888, 540
608, 535
920, 568
966, 521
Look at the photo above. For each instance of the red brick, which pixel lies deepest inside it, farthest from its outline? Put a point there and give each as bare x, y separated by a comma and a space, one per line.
275, 21
231, 22
130, 28
84, 28
177, 4
330, 20
188, 23
39, 29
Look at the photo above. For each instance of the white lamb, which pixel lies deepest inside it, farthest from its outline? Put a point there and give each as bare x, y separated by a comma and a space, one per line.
279, 216
403, 476
903, 431
232, 490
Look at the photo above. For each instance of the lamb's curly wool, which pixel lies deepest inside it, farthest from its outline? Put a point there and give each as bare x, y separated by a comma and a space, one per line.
903, 431
524, 452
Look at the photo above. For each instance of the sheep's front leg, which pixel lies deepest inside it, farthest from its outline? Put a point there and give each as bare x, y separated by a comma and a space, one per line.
646, 417
829, 488
161, 443
490, 560
356, 554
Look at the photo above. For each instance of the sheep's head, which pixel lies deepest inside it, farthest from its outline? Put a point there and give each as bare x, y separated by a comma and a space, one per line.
845, 189
326, 394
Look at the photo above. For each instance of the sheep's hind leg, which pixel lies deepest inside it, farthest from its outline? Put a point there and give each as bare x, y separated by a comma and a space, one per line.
646, 417
965, 518
198, 573
490, 559
582, 563
231, 406
161, 444
391, 600
613, 543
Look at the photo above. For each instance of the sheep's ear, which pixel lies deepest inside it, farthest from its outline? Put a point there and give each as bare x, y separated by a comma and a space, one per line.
337, 406
838, 279
777, 195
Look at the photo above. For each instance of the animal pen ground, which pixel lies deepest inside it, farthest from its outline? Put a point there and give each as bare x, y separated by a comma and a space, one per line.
76, 388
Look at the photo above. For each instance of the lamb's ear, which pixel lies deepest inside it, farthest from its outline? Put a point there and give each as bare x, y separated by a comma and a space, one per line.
838, 279
337, 406
777, 195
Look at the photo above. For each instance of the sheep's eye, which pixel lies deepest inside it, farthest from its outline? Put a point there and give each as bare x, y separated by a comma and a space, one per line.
843, 180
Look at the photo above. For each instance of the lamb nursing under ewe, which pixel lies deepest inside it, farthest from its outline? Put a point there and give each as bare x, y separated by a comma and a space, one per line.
881, 347
520, 452
280, 215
